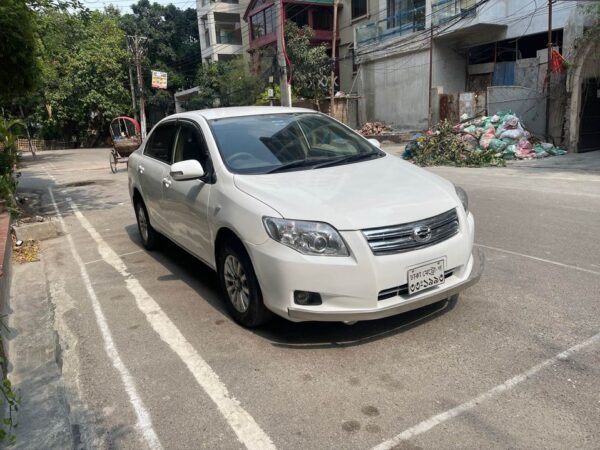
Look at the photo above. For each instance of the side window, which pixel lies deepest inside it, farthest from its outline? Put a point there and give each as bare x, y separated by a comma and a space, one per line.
161, 143
191, 145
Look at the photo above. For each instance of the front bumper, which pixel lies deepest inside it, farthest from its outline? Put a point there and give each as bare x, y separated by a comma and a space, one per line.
426, 298
351, 287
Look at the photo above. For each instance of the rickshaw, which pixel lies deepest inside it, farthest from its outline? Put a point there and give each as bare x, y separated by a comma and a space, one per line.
126, 137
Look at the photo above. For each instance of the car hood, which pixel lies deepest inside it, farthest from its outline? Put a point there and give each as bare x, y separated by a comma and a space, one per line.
368, 194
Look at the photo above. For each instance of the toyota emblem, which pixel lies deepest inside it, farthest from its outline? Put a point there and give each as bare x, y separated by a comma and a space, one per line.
421, 233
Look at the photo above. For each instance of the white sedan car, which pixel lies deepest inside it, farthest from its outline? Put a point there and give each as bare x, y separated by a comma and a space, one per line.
300, 216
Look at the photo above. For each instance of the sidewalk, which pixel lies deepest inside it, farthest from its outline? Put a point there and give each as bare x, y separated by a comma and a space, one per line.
35, 360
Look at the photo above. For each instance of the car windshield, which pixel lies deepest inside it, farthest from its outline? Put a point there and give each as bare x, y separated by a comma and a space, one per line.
283, 142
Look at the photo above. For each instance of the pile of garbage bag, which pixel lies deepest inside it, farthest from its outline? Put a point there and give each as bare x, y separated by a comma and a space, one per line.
503, 133
486, 139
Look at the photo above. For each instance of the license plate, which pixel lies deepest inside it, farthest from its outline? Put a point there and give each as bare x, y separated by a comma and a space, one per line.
425, 276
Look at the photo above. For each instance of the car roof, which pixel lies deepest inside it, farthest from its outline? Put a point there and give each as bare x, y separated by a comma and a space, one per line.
238, 111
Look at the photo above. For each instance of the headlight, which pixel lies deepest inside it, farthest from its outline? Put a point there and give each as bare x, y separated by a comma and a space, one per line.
309, 238
464, 198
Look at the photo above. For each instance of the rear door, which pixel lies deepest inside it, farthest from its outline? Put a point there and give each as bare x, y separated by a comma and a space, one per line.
186, 202
153, 170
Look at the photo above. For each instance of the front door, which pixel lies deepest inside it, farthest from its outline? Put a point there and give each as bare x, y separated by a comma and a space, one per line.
589, 133
186, 202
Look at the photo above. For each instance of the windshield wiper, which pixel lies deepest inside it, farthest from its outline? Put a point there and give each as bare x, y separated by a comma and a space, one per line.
295, 164
347, 159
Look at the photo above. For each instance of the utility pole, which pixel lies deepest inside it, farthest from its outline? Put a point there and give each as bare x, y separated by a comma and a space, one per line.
136, 45
333, 44
548, 70
430, 76
135, 113
286, 91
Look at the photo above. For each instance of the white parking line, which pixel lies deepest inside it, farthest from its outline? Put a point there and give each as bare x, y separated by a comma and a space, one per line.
120, 256
243, 424
567, 266
144, 422
436, 420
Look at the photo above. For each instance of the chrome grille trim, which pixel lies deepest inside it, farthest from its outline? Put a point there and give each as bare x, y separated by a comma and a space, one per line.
399, 238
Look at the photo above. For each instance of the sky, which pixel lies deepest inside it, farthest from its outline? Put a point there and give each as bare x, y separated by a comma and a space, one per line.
123, 5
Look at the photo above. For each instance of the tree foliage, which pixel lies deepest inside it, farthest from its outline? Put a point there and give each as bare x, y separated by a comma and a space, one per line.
310, 64
84, 75
172, 46
18, 63
226, 83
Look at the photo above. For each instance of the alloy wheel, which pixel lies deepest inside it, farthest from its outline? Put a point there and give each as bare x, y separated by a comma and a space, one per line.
236, 284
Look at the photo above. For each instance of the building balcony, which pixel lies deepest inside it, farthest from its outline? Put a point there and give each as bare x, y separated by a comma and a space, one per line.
317, 14
402, 23
443, 11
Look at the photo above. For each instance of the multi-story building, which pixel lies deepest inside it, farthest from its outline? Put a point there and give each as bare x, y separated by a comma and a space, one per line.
474, 54
261, 18
223, 33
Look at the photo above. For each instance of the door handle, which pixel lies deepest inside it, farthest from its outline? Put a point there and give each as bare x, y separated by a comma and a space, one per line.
166, 182
141, 169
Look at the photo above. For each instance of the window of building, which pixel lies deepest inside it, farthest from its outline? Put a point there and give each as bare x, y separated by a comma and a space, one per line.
262, 23
297, 14
323, 19
359, 8
409, 15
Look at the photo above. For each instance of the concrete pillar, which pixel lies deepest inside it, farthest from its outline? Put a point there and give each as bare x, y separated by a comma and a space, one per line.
427, 14
212, 33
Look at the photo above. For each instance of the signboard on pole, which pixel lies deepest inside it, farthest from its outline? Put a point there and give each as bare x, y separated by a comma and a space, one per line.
159, 79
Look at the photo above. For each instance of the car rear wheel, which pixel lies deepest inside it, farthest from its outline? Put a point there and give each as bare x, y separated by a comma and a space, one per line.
239, 286
148, 234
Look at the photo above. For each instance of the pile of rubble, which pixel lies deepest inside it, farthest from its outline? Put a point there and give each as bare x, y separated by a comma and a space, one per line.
503, 133
373, 129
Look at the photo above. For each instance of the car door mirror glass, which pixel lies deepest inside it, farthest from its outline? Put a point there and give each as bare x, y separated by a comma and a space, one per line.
186, 170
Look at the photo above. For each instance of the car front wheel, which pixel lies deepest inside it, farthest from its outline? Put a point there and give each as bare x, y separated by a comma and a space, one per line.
239, 286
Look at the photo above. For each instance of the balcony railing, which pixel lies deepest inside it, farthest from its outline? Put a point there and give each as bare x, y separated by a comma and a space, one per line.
229, 37
403, 22
443, 11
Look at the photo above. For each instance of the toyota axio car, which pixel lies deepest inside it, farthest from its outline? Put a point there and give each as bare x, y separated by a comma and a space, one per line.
300, 216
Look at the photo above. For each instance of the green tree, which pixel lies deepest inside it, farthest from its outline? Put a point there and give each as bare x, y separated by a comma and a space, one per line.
18, 68
172, 46
310, 64
84, 73
226, 83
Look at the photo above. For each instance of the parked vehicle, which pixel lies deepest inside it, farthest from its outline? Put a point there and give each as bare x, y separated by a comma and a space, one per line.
300, 216
126, 137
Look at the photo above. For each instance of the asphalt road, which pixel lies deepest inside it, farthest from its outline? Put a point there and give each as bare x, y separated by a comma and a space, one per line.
515, 363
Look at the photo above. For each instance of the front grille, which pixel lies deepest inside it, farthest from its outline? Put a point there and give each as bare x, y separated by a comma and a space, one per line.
399, 238
403, 290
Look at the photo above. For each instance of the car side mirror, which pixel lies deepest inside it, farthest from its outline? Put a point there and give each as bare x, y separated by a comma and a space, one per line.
375, 142
186, 170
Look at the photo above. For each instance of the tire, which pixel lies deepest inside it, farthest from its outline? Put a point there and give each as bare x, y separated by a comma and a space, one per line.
239, 286
147, 233
112, 159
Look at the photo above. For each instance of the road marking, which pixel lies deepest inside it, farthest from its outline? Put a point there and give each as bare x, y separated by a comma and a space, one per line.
567, 266
120, 256
243, 424
144, 422
436, 420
